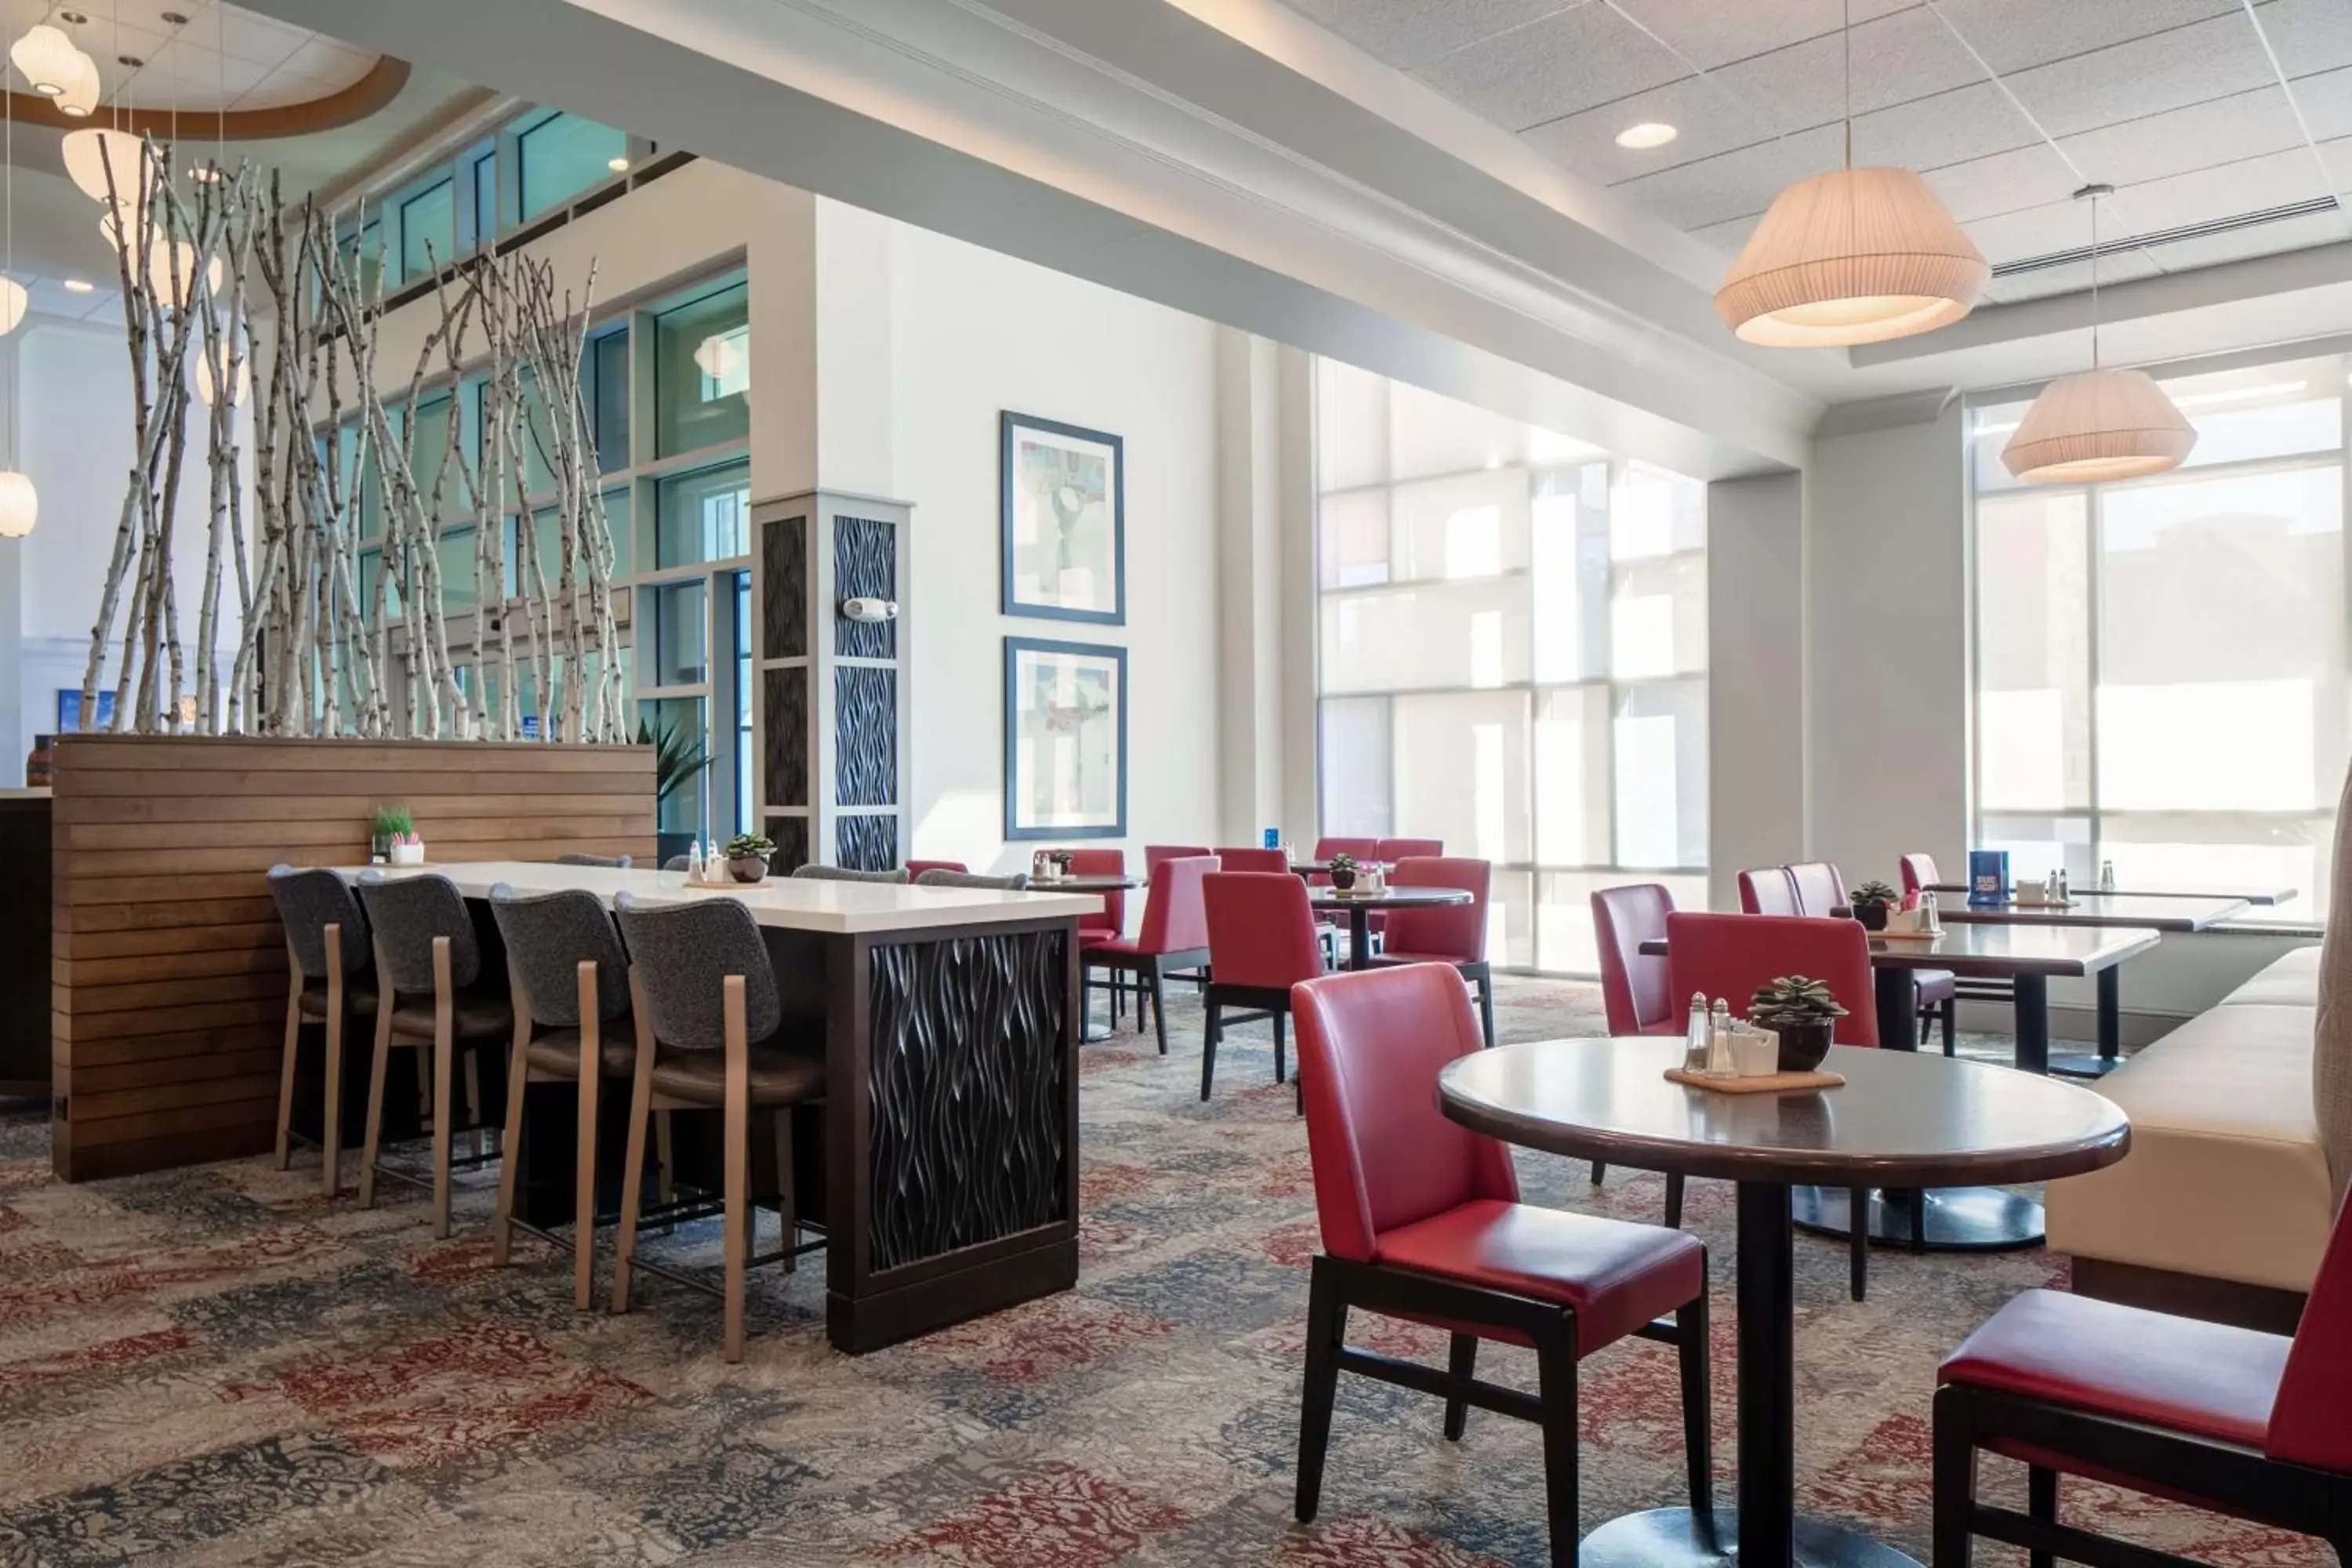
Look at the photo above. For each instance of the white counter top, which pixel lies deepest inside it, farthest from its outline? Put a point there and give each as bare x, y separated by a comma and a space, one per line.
835, 907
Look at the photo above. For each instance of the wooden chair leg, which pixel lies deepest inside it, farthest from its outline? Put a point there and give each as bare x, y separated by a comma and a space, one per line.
1691, 1348
633, 1168
1158, 1006
1326, 1324
2041, 1505
286, 1061
1210, 1038
583, 1181
1955, 1471
1486, 1006
1673, 1200
1556, 1386
787, 1210
474, 1103
1461, 1365
664, 1177
1858, 1241
739, 1164
1281, 1073
1599, 1170
1952, 1027
385, 1003
510, 1148
330, 1124
444, 1047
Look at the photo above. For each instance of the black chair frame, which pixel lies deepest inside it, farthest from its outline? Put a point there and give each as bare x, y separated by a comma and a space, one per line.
1258, 1003
1338, 1284
2230, 1478
1151, 972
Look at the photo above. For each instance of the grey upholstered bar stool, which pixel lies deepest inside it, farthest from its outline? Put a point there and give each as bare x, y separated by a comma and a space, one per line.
815, 873
570, 981
328, 977
711, 1032
427, 963
580, 857
1017, 882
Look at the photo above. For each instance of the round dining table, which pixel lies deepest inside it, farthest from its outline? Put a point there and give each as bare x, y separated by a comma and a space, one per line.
1360, 906
1900, 1120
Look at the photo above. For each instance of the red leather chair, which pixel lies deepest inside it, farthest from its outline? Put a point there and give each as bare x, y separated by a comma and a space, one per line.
1445, 933
1821, 889
1262, 942
1174, 936
1111, 923
1420, 1220
1155, 853
1635, 989
1388, 851
1767, 891
1934, 992
1361, 849
1253, 860
2254, 1425
1730, 955
1919, 874
917, 867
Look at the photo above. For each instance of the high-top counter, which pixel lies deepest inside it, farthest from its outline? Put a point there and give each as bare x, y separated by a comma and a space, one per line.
951, 1022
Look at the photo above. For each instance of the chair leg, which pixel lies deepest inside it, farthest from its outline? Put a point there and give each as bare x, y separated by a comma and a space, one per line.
1461, 1364
1486, 1006
1599, 1170
1279, 1072
1327, 1325
474, 1101
583, 1179
510, 1151
665, 1178
286, 1074
1691, 1348
1952, 1027
1673, 1200
1858, 1241
382, 1061
1556, 1384
632, 1170
2041, 1505
1158, 1006
1955, 1485
331, 1121
445, 1025
1927, 1026
787, 1215
1210, 1037
737, 1217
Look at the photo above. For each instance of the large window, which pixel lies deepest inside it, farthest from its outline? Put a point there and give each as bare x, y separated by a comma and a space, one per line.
2161, 663
561, 156
1513, 638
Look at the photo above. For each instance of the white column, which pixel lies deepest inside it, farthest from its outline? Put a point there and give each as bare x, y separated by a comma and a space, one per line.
1756, 678
1251, 582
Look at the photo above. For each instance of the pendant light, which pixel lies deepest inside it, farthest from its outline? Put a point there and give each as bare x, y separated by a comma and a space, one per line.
46, 57
20, 504
2102, 424
81, 94
1857, 256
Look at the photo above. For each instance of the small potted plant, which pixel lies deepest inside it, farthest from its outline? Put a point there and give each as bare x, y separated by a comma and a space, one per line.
1802, 1012
1870, 903
393, 835
747, 855
1343, 871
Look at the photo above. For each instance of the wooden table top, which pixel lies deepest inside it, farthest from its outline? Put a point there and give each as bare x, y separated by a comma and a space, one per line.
1904, 1119
2156, 911
1992, 951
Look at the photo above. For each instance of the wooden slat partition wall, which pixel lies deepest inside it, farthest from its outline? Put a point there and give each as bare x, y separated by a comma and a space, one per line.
168, 970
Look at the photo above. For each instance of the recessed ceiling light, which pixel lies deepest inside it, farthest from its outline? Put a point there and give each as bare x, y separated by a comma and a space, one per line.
73, 18
618, 165
79, 285
1648, 134
134, 61
176, 18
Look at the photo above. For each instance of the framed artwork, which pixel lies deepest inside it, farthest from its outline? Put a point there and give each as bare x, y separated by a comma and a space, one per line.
1065, 740
1063, 519
70, 711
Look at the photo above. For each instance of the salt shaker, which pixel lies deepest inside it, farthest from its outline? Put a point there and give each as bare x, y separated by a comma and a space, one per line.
1718, 1042
1698, 1038
2107, 876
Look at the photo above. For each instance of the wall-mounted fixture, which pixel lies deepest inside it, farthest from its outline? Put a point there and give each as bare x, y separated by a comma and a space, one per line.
870, 610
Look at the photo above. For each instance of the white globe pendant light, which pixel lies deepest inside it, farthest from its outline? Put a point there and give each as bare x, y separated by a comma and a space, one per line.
2102, 424
81, 94
12, 302
20, 507
46, 57
1854, 256
171, 264
93, 150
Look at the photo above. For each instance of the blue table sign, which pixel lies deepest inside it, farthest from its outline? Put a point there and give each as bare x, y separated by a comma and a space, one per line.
1987, 876
1274, 838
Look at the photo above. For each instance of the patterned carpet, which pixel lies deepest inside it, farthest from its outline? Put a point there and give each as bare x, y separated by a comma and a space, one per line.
217, 1366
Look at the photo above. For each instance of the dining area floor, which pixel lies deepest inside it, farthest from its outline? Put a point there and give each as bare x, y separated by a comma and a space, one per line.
219, 1365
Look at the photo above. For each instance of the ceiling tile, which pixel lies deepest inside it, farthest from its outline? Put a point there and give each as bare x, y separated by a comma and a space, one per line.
196, 67
2121, 266
2033, 231
1736, 185
1973, 121
2243, 125
1572, 61
1408, 32
1726, 239
2013, 34
1711, 121
2147, 76
1896, 59
2227, 190
2326, 102
2310, 35
2006, 182
264, 42
339, 65
2288, 234
1709, 33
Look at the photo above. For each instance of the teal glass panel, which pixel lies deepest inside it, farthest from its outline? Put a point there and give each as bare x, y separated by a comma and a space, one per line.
608, 399
428, 231
702, 373
703, 516
563, 155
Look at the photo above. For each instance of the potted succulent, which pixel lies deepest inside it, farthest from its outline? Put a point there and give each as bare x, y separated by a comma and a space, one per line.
1802, 1012
1343, 871
1870, 903
747, 855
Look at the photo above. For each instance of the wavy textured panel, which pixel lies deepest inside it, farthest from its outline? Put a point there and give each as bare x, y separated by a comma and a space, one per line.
865, 566
785, 745
865, 842
866, 735
966, 1078
783, 619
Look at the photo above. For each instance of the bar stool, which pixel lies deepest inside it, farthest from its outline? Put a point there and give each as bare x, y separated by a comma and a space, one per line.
710, 1034
327, 963
1262, 942
427, 962
570, 981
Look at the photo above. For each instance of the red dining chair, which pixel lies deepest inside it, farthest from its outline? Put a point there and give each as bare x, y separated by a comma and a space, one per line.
1174, 936
1155, 853
1730, 955
1767, 891
1636, 991
1262, 942
2241, 1423
1820, 888
1445, 933
1110, 921
917, 867
1421, 1219
1253, 860
1934, 992
1919, 874
1388, 851
1327, 848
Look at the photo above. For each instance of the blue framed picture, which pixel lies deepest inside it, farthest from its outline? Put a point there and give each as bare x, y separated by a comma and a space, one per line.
1063, 519
70, 711
1065, 740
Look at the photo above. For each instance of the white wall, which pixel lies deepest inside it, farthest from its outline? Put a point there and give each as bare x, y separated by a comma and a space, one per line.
1756, 678
975, 333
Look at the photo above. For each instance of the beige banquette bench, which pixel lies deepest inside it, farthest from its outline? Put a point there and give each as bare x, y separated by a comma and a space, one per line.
2222, 1207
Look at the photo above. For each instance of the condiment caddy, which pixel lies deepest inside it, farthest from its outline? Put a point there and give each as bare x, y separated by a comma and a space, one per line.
1727, 1056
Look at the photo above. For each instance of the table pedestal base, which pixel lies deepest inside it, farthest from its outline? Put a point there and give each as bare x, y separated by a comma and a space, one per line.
1672, 1538
1957, 1219
2075, 1065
